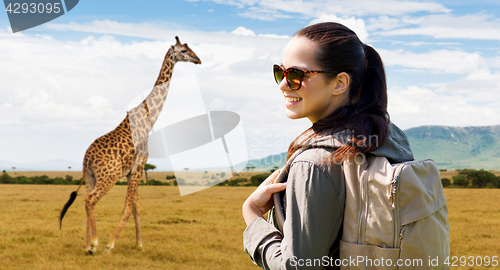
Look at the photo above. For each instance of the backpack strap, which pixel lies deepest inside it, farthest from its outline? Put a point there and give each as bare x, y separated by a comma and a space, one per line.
279, 209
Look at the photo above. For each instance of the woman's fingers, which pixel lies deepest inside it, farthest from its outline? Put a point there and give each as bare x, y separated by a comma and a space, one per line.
276, 173
271, 178
273, 188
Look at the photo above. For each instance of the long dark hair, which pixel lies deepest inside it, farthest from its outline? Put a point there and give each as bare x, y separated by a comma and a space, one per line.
365, 115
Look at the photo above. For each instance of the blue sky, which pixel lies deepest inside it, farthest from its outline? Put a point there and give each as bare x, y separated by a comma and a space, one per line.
71, 80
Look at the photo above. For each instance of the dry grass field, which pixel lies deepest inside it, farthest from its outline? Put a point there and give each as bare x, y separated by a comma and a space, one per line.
198, 231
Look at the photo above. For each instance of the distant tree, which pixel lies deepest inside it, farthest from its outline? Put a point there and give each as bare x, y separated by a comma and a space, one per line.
252, 167
14, 168
274, 169
148, 167
481, 178
460, 180
446, 182
69, 167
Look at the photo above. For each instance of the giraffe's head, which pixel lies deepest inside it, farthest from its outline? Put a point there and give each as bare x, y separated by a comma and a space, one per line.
182, 52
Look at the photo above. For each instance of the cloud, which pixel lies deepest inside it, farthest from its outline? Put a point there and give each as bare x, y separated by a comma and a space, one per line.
356, 25
426, 107
444, 26
254, 8
384, 23
480, 88
242, 31
263, 14
436, 61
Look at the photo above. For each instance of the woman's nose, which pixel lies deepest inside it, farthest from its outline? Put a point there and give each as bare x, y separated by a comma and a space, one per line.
283, 85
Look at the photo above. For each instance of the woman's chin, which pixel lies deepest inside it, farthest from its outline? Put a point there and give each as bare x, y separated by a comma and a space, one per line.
293, 115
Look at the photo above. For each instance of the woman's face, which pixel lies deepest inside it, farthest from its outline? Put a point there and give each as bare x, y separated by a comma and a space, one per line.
318, 95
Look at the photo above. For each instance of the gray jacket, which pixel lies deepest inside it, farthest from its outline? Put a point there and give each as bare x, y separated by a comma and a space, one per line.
314, 205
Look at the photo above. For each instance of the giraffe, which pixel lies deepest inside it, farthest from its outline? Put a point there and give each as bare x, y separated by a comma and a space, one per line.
123, 152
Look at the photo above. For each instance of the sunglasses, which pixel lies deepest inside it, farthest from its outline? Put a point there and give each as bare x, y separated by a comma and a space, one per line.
293, 76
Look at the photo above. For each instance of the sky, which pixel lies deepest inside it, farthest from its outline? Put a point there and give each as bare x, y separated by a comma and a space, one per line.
71, 80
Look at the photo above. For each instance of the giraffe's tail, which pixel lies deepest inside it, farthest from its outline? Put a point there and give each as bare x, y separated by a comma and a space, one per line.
72, 198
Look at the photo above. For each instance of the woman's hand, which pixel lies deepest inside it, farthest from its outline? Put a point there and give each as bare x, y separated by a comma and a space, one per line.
259, 202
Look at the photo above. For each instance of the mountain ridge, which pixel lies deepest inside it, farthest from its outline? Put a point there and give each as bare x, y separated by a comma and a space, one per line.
471, 147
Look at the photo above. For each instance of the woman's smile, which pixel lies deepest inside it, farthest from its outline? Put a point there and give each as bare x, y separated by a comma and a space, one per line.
290, 100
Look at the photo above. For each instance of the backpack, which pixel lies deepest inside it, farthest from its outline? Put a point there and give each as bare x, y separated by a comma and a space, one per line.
395, 216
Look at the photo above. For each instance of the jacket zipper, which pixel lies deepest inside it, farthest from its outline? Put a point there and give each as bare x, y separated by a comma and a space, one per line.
364, 206
395, 205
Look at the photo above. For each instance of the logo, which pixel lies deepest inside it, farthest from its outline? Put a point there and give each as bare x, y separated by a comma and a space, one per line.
28, 14
203, 148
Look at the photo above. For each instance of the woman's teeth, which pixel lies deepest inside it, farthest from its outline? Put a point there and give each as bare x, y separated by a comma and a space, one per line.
293, 99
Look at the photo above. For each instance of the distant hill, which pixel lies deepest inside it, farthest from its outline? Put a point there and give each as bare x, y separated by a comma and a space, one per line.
457, 147
450, 147
267, 163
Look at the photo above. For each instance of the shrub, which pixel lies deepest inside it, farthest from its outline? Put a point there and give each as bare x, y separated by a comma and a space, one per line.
236, 181
23, 180
6, 178
446, 182
259, 178
59, 181
154, 182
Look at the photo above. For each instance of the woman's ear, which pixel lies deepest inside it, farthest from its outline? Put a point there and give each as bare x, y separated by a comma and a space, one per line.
341, 83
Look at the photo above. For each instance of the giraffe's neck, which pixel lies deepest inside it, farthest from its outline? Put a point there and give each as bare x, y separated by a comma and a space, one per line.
166, 69
154, 102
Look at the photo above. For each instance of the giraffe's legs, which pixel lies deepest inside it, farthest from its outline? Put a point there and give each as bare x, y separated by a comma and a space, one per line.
131, 204
136, 210
90, 184
102, 186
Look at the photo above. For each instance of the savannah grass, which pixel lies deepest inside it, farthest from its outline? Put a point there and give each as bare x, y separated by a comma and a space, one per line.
197, 231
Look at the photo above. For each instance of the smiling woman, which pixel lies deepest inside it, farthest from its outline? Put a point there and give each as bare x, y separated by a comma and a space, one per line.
330, 77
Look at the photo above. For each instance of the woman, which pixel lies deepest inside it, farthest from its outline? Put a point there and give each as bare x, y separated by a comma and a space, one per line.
329, 76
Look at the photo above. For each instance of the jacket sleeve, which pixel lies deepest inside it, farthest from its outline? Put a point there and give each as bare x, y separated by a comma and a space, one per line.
314, 211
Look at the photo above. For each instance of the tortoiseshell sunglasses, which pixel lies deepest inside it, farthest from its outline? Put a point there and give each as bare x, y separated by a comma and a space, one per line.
293, 76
